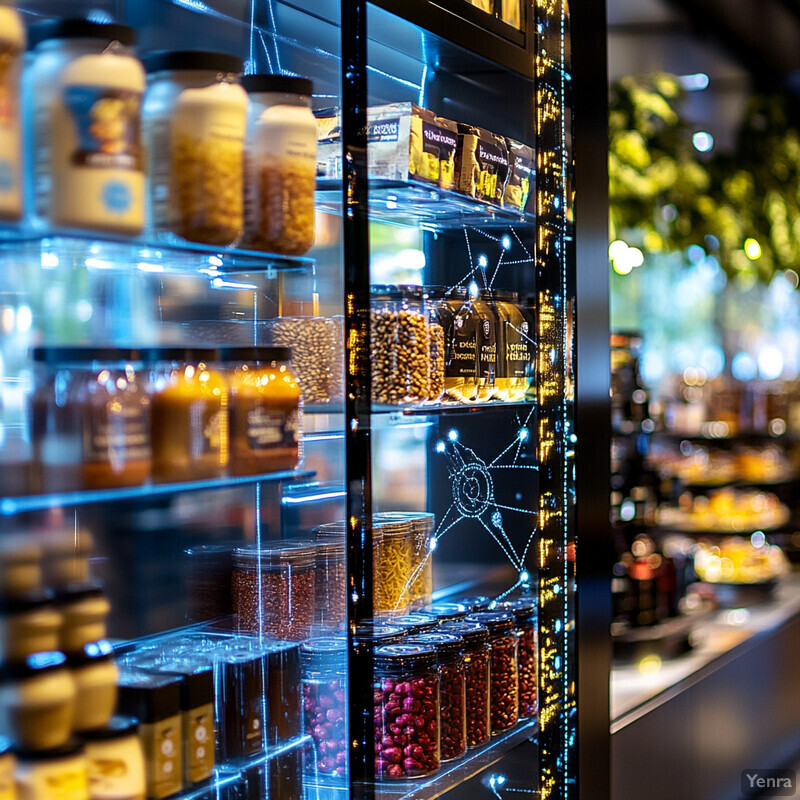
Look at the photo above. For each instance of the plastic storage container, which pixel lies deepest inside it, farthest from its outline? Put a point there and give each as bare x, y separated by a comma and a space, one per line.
406, 744
273, 589
452, 691
265, 410
281, 164
477, 654
324, 669
83, 93
194, 120
504, 668
399, 345
524, 612
12, 47
391, 566
330, 588
90, 418
188, 414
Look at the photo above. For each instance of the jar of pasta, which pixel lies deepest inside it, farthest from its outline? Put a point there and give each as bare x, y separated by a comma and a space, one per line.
12, 47
188, 414
265, 410
281, 164
194, 120
84, 89
391, 565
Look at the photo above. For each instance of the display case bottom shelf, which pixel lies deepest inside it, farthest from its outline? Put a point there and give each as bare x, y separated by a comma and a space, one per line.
451, 774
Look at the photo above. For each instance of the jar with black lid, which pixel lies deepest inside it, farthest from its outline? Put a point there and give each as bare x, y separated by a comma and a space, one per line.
90, 412
406, 675
524, 611
414, 624
504, 668
477, 654
372, 634
452, 691
445, 612
324, 670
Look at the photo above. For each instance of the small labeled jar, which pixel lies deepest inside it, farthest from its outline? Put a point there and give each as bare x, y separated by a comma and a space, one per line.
95, 674
28, 625
445, 612
459, 322
273, 589
399, 345
20, 566
265, 410
64, 767
37, 701
324, 669
8, 789
524, 611
155, 700
452, 691
504, 668
115, 761
406, 740
516, 350
436, 345
12, 48
188, 414
414, 624
84, 612
90, 418
486, 309
330, 576
194, 120
392, 566
84, 90
281, 164
477, 654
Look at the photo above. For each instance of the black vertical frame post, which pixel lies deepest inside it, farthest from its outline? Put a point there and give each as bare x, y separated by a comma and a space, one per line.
358, 463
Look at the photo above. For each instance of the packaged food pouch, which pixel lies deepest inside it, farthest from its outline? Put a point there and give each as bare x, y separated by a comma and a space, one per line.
481, 164
521, 175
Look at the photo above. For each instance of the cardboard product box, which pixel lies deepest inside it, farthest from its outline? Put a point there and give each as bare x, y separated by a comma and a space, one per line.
329, 144
521, 175
406, 142
511, 12
481, 164
483, 5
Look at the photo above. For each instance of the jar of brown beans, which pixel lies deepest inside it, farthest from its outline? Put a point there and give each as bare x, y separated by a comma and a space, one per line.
477, 654
452, 691
406, 697
273, 589
524, 611
504, 684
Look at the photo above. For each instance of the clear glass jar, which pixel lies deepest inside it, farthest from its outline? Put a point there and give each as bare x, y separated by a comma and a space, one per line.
407, 729
84, 93
188, 414
459, 322
90, 418
399, 345
477, 654
391, 565
421, 568
324, 670
452, 691
516, 349
487, 328
445, 612
265, 410
414, 624
524, 612
504, 668
436, 343
12, 49
281, 164
194, 120
208, 581
317, 345
273, 589
330, 590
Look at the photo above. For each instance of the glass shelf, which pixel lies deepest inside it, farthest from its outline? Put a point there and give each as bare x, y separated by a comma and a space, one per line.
423, 410
101, 251
40, 502
411, 203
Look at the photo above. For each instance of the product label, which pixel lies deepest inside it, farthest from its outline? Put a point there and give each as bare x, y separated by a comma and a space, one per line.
493, 164
64, 781
518, 350
163, 757
116, 433
385, 130
212, 426
487, 350
269, 429
520, 176
113, 779
199, 743
462, 355
108, 122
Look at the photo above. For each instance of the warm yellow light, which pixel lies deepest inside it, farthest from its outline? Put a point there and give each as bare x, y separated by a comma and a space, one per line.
752, 249
650, 665
622, 267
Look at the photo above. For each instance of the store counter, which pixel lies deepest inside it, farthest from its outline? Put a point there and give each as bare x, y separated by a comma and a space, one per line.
688, 727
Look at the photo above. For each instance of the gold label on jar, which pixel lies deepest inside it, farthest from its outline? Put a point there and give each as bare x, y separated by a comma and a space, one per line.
57, 781
111, 779
266, 429
117, 434
461, 363
199, 742
163, 755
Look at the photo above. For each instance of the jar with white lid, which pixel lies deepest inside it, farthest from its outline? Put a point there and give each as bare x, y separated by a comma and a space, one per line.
281, 164
12, 47
84, 91
194, 119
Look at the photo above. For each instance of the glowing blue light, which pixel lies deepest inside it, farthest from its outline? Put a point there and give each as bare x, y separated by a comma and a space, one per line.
506, 242
703, 141
453, 435
473, 289
556, 202
440, 447
557, 589
433, 543
695, 82
497, 519
215, 261
483, 261
524, 433
524, 576
557, 626
758, 539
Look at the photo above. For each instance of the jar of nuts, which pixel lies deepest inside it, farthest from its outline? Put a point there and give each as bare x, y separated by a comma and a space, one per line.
406, 695
194, 119
281, 164
504, 685
524, 611
399, 348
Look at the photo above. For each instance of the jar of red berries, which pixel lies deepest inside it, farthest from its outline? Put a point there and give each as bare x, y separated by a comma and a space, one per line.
524, 611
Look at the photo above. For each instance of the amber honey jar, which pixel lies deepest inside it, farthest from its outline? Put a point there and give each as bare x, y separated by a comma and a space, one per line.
90, 418
188, 414
265, 410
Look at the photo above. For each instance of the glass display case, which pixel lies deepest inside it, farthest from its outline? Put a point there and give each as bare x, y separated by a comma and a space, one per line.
289, 493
